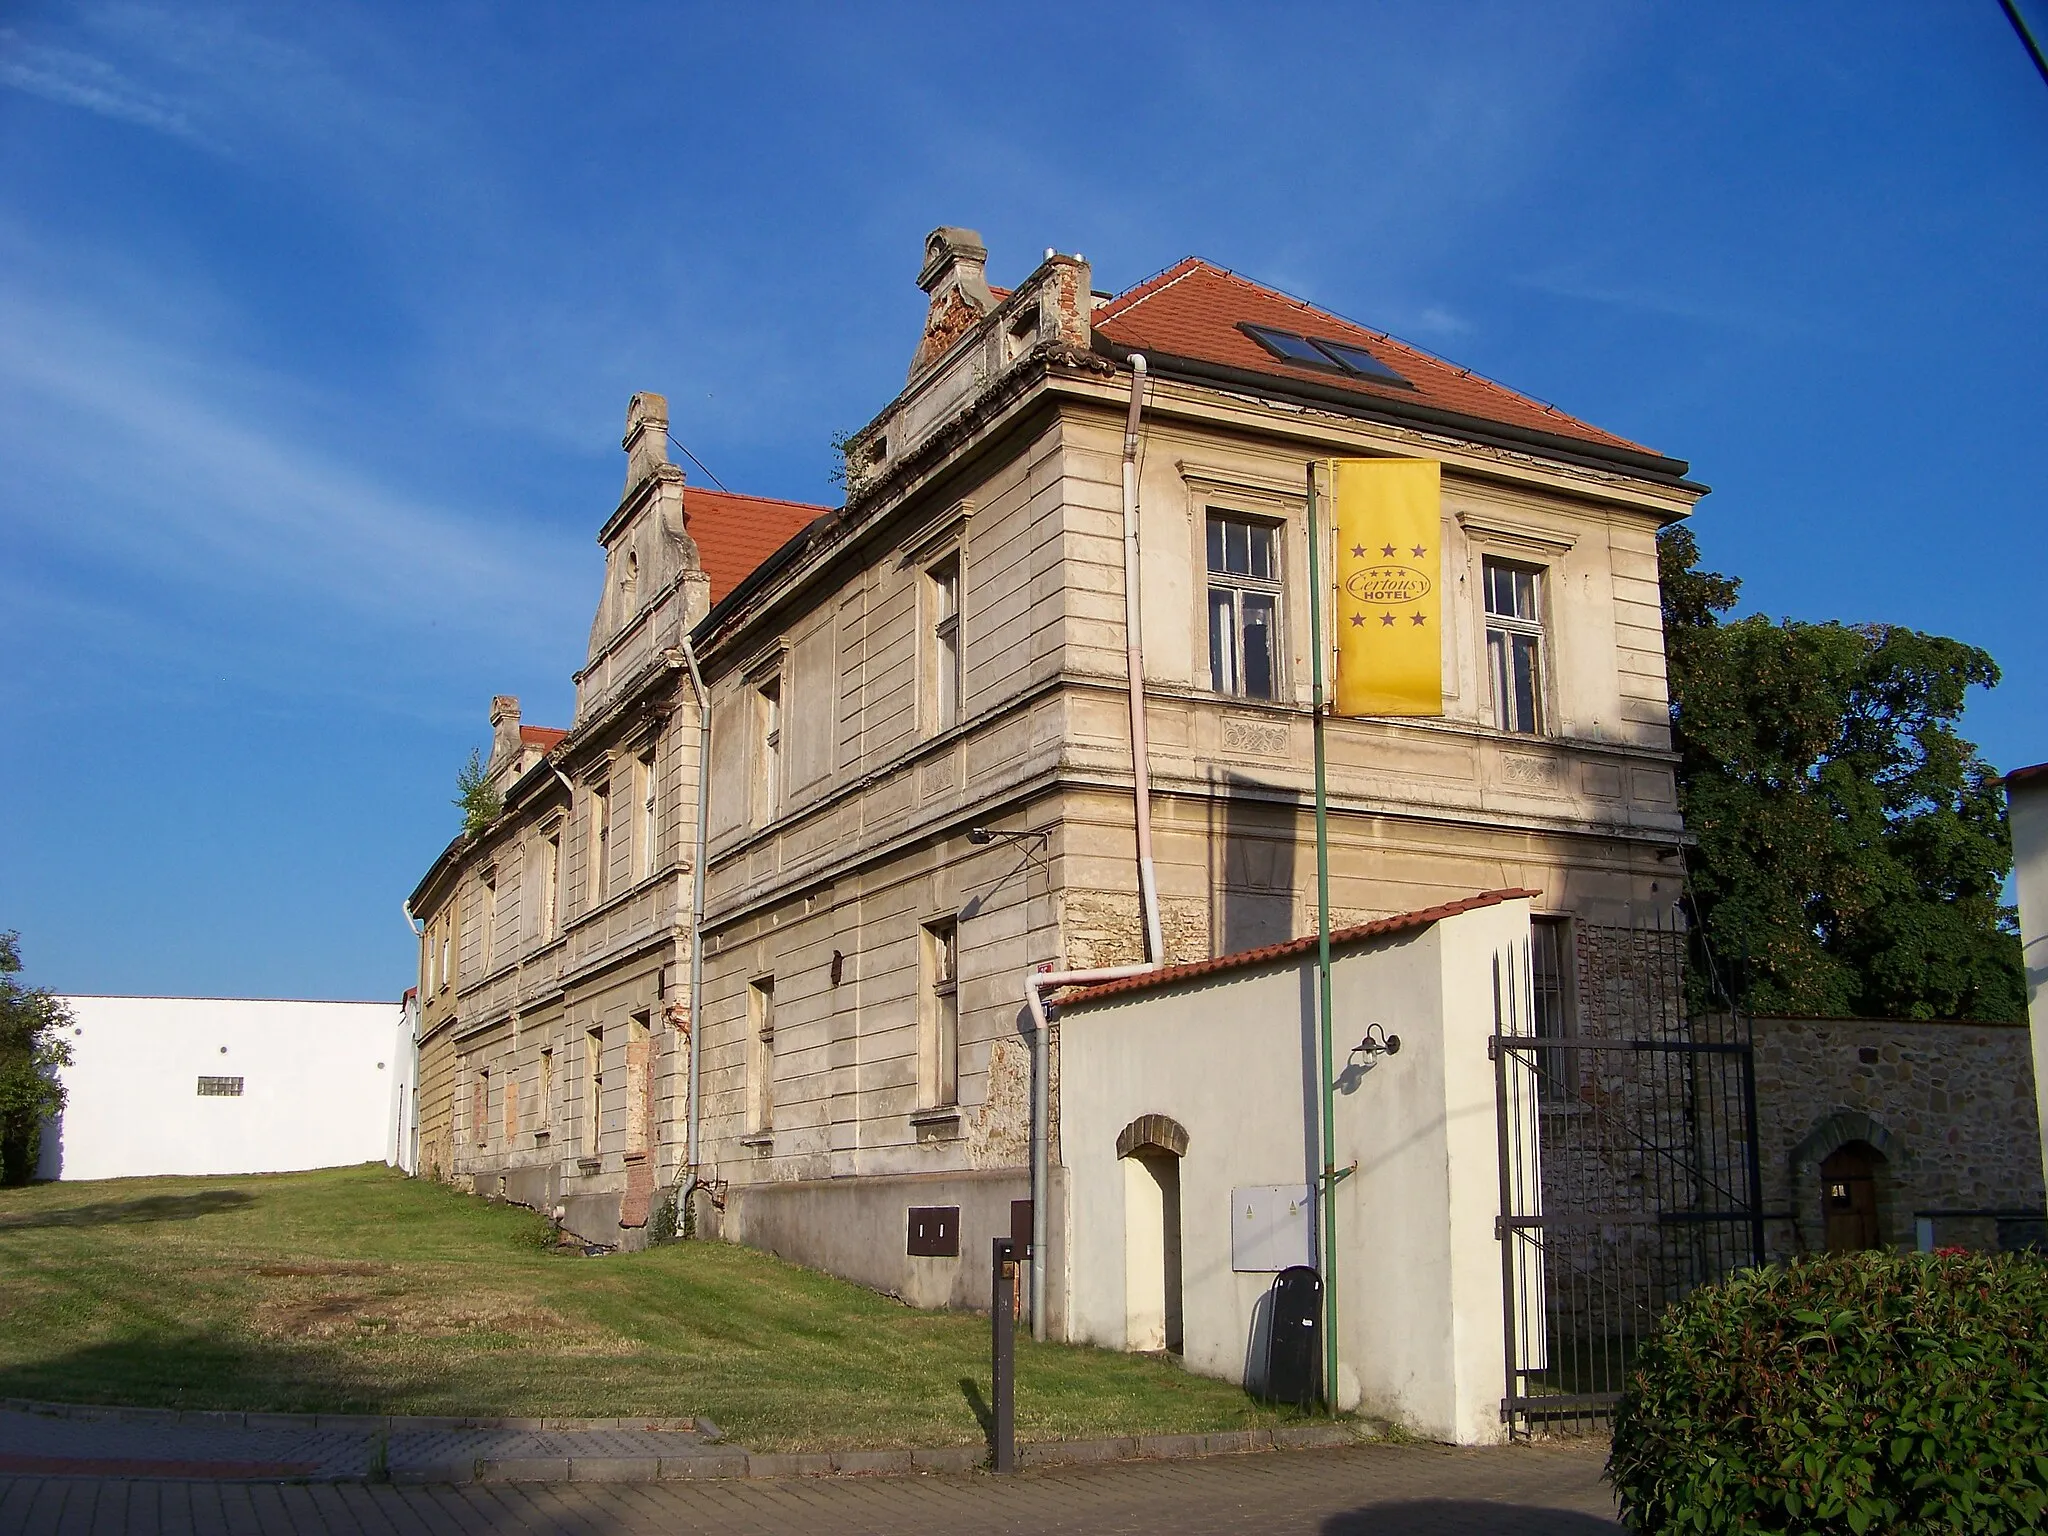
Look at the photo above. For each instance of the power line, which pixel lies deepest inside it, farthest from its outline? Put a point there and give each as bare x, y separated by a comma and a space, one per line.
695, 460
2019, 25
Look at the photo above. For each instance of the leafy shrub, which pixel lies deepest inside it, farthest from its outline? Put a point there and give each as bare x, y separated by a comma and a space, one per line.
1858, 1392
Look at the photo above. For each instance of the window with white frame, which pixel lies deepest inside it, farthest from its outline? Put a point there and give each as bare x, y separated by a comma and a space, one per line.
1514, 644
938, 1034
942, 602
1244, 606
649, 790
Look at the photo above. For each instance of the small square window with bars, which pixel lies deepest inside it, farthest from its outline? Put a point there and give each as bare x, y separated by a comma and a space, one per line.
220, 1087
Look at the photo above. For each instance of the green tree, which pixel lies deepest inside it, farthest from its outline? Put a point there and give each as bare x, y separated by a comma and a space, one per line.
1852, 847
31, 1051
477, 796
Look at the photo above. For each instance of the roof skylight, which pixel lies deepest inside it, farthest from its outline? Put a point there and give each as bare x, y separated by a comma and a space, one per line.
1321, 352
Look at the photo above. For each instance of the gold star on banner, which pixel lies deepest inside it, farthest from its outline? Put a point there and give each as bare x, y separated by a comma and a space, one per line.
1419, 551
1387, 549
1357, 621
1417, 620
1386, 618
1358, 551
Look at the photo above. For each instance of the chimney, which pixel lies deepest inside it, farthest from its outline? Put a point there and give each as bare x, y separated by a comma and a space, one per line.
955, 274
504, 728
646, 441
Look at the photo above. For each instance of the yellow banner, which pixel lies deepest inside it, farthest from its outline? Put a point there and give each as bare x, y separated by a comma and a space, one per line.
1389, 580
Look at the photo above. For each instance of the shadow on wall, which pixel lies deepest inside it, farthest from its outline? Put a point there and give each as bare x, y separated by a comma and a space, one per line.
1458, 1517
1251, 864
50, 1155
108, 1213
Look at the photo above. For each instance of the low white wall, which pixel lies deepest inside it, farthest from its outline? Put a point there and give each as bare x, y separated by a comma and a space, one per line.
320, 1087
1233, 1059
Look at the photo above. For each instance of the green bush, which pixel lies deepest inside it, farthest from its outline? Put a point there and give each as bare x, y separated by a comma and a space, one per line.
1859, 1392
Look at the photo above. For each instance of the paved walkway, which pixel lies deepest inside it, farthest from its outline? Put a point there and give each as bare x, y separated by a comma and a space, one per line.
1363, 1491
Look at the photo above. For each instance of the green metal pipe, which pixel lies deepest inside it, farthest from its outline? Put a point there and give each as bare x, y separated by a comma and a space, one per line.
1326, 1249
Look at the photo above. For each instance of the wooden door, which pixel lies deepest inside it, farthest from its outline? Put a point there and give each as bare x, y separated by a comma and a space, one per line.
1848, 1194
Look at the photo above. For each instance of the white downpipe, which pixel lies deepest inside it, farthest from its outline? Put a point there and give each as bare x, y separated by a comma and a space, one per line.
1040, 981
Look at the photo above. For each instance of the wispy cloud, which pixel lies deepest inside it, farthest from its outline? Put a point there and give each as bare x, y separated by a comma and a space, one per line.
194, 484
91, 84
1648, 299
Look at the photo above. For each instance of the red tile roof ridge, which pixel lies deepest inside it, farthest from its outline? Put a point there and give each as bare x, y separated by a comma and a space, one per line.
779, 501
1158, 282
1290, 948
542, 736
1126, 303
2026, 775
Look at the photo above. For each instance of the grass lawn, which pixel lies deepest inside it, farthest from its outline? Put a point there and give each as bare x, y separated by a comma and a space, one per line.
361, 1290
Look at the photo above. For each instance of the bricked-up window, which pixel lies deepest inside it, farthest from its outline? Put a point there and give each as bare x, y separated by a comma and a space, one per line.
942, 682
1550, 994
544, 1111
761, 1055
648, 792
1514, 645
938, 1024
593, 1089
220, 1088
480, 1108
1244, 606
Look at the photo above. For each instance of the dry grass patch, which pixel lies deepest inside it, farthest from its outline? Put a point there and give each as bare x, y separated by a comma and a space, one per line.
358, 1290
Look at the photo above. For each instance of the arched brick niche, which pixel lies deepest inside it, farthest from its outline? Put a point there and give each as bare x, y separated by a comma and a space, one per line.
1162, 1132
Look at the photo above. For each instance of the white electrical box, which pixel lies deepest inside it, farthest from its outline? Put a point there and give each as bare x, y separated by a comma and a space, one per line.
1272, 1227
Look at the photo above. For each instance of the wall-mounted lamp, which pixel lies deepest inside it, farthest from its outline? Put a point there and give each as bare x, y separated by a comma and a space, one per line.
981, 837
1377, 1042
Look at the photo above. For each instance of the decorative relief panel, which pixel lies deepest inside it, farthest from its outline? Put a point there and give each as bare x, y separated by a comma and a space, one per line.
1263, 738
1533, 772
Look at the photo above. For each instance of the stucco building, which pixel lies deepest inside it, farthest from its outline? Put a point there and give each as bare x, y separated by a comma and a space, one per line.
920, 783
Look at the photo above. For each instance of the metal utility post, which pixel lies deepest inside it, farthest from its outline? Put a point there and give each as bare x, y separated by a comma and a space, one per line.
1326, 1245
1002, 1316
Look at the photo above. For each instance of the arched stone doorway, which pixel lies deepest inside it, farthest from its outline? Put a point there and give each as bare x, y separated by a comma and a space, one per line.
1151, 1148
1848, 1198
1852, 1156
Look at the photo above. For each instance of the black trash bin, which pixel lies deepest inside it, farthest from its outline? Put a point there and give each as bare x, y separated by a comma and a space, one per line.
1294, 1344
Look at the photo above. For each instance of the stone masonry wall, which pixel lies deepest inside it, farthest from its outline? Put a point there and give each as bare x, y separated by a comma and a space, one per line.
1950, 1106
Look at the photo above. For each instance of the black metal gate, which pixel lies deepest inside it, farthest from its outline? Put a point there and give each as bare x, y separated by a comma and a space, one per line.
1628, 1174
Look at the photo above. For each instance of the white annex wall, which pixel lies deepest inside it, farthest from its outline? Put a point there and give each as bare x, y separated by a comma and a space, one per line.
1233, 1060
2027, 795
321, 1085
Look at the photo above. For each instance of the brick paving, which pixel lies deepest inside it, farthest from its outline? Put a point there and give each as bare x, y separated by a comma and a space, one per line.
282, 1448
1363, 1491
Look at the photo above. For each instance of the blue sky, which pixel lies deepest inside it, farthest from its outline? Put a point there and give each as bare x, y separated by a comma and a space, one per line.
317, 326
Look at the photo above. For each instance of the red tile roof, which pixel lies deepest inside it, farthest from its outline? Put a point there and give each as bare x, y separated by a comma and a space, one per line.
542, 736
1192, 310
2026, 775
735, 533
1292, 949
